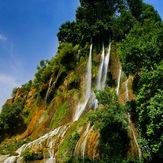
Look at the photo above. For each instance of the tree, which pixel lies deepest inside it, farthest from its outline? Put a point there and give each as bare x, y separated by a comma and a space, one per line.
155, 124
149, 108
135, 7
122, 24
10, 117
148, 12
94, 18
110, 120
68, 33
142, 47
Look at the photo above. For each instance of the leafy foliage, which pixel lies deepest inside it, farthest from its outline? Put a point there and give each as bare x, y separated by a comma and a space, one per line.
62, 63
68, 147
137, 29
68, 33
155, 124
149, 107
10, 117
111, 122
143, 53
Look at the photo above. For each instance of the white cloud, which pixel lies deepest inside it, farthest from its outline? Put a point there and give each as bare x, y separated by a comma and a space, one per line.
7, 83
3, 38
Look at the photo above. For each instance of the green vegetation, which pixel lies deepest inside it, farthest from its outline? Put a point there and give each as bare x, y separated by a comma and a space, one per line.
142, 56
30, 155
111, 122
11, 120
59, 115
66, 149
136, 30
11, 146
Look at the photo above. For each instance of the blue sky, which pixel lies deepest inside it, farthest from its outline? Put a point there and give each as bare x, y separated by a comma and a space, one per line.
28, 31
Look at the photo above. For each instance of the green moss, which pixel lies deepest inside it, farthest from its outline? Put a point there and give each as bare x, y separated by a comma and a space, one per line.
11, 146
30, 155
66, 149
59, 115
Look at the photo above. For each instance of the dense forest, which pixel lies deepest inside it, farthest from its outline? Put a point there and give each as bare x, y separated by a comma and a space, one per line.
135, 31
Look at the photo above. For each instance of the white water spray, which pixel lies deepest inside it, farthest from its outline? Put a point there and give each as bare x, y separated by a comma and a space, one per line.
119, 81
134, 136
103, 69
81, 107
47, 93
48, 139
81, 145
99, 77
126, 86
106, 63
130, 122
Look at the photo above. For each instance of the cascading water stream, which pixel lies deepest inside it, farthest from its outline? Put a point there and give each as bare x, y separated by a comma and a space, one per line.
47, 93
119, 81
89, 75
81, 145
100, 72
126, 86
85, 141
134, 136
11, 159
81, 107
106, 63
49, 140
130, 122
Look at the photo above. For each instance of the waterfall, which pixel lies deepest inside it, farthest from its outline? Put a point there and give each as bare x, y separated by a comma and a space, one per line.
11, 159
126, 86
89, 75
49, 140
47, 93
102, 73
119, 80
99, 77
81, 145
106, 63
134, 136
130, 122
85, 141
81, 106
